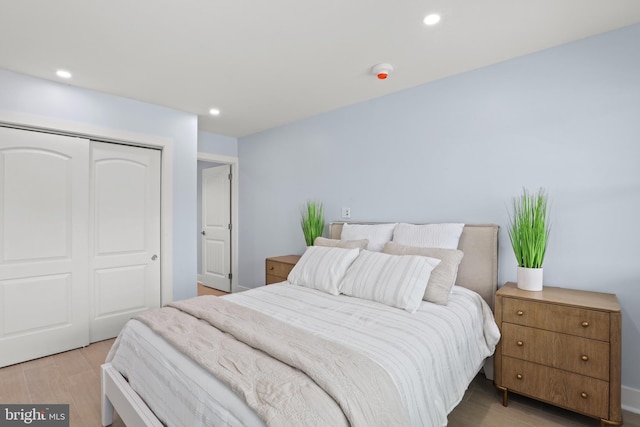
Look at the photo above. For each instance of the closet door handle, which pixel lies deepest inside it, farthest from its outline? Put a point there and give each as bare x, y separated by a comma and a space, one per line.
154, 257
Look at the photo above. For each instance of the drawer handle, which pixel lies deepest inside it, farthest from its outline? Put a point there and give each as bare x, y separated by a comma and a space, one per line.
520, 343
584, 395
584, 357
519, 312
585, 324
271, 268
519, 376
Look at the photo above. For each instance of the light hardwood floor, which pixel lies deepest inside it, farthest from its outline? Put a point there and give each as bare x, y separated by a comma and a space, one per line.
73, 377
482, 406
204, 290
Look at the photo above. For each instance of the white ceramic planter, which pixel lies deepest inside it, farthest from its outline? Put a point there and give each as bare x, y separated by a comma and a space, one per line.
530, 279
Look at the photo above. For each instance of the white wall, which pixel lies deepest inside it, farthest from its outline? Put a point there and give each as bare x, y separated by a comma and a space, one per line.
37, 97
459, 149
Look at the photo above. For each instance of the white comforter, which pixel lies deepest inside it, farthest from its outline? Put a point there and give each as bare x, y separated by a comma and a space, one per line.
432, 355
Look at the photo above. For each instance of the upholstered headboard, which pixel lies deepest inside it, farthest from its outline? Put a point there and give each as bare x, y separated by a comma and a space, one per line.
478, 270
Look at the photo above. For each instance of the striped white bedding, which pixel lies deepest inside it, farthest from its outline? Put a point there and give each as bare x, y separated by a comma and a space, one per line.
432, 354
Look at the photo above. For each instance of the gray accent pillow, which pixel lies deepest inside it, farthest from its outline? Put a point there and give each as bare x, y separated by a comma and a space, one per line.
345, 244
443, 276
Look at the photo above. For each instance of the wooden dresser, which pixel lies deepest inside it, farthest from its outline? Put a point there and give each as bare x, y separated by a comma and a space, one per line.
562, 347
279, 267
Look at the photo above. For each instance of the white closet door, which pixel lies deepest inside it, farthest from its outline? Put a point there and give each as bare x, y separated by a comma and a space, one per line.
44, 233
126, 235
216, 223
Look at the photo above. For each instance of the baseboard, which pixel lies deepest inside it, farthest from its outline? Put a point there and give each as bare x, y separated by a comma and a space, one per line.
631, 399
239, 288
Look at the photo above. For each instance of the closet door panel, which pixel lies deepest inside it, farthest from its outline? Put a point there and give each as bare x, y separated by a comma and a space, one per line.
44, 200
36, 303
126, 235
119, 290
120, 205
37, 212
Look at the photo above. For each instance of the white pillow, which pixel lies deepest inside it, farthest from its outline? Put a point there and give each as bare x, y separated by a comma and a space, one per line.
428, 235
377, 234
322, 268
398, 281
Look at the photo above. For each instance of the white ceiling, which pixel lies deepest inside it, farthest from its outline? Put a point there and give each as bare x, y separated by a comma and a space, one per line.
265, 63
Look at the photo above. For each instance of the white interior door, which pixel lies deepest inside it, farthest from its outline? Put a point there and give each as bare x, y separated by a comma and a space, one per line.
216, 224
126, 235
44, 200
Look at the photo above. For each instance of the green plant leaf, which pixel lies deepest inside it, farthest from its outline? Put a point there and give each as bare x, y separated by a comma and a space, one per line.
312, 221
529, 228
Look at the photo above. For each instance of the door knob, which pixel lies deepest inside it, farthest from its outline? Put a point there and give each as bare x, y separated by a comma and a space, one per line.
202, 232
154, 257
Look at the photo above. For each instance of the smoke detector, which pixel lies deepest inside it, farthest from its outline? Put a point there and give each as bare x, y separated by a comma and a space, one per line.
382, 71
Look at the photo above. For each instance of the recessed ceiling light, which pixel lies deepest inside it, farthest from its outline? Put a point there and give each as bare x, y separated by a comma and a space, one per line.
432, 19
214, 112
64, 74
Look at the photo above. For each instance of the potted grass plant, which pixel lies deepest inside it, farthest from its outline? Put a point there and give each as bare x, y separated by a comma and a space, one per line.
312, 221
529, 234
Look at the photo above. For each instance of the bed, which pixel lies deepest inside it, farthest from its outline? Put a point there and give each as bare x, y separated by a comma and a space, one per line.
355, 361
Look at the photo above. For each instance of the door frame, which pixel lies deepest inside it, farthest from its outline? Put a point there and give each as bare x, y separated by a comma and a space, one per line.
233, 162
82, 130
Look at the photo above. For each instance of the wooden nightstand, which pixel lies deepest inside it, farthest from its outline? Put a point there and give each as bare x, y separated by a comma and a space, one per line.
562, 347
279, 267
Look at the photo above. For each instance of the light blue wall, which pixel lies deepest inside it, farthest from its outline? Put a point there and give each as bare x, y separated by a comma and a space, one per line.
217, 144
459, 149
34, 96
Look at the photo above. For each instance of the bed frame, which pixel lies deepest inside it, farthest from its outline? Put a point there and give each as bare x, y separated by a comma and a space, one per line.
478, 271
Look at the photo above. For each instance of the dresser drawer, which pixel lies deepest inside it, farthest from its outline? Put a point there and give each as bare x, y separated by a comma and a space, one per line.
278, 269
569, 320
580, 355
571, 391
